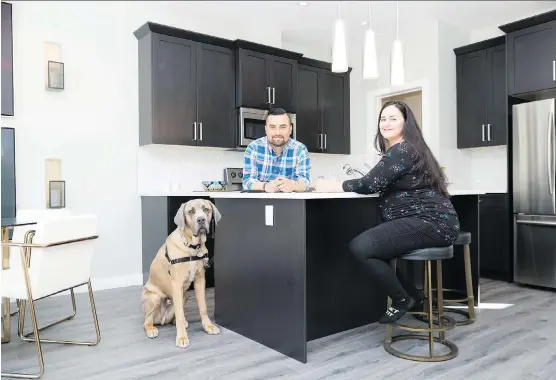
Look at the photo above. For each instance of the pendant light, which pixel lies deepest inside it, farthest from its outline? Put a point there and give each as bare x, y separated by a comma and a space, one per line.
397, 69
370, 64
339, 50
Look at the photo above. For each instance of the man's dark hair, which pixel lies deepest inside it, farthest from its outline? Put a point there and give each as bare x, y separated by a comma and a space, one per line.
278, 111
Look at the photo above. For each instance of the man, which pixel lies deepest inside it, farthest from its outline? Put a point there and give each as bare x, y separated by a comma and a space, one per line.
276, 162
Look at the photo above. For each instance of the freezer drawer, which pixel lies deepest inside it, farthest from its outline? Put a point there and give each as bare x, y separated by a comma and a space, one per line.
535, 250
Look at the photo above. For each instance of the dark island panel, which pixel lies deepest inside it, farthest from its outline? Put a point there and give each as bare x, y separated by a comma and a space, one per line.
260, 273
340, 292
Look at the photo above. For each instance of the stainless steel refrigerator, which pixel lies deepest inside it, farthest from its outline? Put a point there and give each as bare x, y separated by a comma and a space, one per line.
534, 193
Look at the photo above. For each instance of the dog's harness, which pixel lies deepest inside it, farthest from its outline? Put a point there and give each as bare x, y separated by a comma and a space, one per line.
188, 258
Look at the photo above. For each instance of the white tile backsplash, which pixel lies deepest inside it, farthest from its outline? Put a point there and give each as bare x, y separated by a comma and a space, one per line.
164, 169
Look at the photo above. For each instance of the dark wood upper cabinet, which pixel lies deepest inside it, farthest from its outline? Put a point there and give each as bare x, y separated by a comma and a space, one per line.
531, 45
309, 115
191, 86
216, 111
7, 61
481, 94
266, 77
186, 92
323, 120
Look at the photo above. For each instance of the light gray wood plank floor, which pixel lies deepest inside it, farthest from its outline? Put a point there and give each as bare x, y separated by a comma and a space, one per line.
512, 343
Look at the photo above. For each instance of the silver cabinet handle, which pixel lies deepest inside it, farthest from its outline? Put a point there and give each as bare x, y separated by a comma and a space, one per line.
273, 95
268, 94
325, 141
483, 129
318, 141
200, 131
488, 132
195, 131
554, 70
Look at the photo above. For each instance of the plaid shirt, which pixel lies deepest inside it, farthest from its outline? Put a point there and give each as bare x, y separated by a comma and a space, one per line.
262, 164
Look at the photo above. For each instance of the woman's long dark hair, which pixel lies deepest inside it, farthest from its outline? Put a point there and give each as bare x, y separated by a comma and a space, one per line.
426, 162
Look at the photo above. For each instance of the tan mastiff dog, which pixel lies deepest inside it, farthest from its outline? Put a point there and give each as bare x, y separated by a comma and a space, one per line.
180, 261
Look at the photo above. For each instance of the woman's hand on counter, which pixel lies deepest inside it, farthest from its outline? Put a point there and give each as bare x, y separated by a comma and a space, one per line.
327, 186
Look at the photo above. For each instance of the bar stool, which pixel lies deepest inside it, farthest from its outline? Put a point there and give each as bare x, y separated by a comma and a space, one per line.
445, 322
464, 238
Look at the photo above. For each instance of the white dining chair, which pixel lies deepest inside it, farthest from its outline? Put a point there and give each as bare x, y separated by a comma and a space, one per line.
14, 259
55, 256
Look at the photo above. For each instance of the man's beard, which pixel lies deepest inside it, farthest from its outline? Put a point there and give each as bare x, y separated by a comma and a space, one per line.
278, 144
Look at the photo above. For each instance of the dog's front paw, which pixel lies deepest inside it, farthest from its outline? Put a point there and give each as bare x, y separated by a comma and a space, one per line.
152, 332
211, 329
182, 341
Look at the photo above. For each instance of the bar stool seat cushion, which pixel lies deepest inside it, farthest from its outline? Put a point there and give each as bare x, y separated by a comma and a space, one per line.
436, 253
463, 238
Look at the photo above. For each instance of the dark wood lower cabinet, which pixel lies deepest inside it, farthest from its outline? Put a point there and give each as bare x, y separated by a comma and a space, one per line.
494, 237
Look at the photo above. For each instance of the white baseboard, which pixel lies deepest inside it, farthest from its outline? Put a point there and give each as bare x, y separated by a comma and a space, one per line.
104, 283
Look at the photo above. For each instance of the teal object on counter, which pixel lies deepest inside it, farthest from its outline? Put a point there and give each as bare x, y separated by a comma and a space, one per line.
215, 185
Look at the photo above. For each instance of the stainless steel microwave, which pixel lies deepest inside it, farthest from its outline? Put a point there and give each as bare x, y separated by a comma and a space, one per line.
251, 125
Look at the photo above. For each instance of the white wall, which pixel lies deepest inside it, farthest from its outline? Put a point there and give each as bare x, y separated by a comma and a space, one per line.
92, 126
420, 41
458, 162
430, 62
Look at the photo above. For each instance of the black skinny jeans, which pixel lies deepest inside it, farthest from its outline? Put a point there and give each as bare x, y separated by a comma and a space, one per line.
378, 245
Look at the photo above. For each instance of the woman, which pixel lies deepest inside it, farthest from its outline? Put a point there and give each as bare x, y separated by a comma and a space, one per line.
414, 204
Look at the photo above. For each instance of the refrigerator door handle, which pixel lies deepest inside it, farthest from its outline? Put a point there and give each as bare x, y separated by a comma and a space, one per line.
552, 151
549, 157
537, 222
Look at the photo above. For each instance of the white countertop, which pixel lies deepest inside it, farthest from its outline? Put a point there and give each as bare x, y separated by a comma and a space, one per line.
314, 195
308, 195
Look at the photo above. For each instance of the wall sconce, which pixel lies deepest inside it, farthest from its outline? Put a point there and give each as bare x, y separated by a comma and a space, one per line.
57, 194
54, 67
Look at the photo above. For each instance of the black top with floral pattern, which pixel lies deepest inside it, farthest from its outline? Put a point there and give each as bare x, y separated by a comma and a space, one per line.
405, 191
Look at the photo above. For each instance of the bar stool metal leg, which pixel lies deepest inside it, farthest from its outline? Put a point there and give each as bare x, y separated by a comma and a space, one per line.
445, 323
469, 285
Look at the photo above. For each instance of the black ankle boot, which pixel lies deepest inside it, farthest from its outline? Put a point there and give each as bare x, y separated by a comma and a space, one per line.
419, 297
397, 310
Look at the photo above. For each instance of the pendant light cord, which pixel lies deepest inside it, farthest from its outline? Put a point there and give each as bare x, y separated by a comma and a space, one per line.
397, 20
370, 15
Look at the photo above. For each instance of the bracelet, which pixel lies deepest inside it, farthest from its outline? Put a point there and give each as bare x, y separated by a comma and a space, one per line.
264, 187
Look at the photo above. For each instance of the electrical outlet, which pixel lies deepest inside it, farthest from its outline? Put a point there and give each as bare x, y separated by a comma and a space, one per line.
269, 215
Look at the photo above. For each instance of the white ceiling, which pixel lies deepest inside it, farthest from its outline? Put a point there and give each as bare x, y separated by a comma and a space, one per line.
315, 20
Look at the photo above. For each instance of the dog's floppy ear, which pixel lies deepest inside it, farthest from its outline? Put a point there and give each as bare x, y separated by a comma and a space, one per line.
216, 214
179, 218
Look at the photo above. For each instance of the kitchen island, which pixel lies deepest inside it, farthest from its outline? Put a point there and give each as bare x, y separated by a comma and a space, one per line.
284, 275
